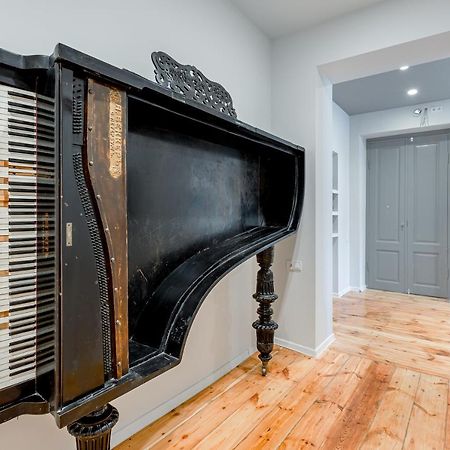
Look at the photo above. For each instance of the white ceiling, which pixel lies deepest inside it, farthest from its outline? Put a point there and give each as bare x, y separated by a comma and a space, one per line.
280, 17
388, 90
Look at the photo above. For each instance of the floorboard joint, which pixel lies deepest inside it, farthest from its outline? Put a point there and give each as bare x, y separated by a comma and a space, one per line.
384, 384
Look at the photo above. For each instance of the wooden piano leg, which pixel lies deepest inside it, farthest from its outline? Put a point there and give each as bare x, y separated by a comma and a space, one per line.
265, 327
93, 432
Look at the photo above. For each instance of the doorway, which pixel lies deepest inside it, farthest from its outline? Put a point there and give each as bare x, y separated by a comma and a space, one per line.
407, 214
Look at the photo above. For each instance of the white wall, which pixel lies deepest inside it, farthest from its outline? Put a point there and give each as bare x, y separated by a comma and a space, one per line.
341, 145
370, 125
216, 38
362, 43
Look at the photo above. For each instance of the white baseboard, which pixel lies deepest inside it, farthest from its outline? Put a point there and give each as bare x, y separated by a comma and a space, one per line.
357, 289
325, 344
129, 429
342, 292
309, 351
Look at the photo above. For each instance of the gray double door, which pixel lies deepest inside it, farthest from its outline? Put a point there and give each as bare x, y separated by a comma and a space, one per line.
408, 214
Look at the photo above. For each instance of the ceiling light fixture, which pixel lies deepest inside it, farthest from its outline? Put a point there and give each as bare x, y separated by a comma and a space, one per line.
412, 91
417, 112
403, 68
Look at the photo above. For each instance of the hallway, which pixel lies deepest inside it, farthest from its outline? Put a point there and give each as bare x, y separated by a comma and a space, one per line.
384, 384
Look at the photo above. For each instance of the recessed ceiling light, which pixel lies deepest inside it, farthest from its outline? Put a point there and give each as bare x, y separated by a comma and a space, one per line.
404, 68
412, 92
417, 112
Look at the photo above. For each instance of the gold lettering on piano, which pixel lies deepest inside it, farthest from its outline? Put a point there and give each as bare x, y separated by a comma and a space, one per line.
46, 237
115, 133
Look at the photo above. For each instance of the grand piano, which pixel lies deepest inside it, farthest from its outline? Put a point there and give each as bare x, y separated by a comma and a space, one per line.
123, 202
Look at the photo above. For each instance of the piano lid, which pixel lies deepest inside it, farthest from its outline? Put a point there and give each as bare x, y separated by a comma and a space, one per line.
129, 79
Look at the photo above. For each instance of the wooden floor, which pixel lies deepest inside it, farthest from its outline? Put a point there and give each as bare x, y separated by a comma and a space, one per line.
384, 384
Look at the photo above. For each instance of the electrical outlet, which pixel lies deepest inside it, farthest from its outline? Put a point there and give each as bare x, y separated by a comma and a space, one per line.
295, 266
436, 109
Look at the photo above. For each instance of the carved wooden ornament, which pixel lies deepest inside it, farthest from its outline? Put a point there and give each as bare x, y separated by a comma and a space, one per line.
189, 82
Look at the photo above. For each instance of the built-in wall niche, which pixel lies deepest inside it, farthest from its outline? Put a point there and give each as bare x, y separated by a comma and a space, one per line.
335, 197
335, 219
335, 203
335, 266
335, 227
335, 171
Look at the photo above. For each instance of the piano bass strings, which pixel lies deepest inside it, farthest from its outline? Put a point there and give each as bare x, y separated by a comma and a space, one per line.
27, 235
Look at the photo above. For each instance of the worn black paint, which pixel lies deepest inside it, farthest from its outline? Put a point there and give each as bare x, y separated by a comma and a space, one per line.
205, 192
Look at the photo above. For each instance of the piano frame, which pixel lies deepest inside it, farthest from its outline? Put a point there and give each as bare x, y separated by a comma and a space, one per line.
94, 100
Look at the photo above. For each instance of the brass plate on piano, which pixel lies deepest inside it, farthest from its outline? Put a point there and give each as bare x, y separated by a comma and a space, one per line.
116, 137
106, 167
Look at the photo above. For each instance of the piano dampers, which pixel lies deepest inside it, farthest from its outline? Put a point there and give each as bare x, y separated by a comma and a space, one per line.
27, 235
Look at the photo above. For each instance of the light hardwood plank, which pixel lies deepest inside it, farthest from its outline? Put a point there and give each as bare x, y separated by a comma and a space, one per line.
384, 384
310, 431
426, 429
272, 430
208, 419
447, 428
388, 429
408, 331
351, 428
185, 411
228, 434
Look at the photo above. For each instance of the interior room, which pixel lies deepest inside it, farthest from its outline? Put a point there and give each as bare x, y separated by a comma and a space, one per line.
225, 224
403, 107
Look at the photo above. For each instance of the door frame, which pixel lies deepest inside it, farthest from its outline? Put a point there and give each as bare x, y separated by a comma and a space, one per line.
406, 135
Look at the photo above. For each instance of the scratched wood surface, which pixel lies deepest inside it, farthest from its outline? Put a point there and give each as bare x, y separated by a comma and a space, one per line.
384, 384
105, 149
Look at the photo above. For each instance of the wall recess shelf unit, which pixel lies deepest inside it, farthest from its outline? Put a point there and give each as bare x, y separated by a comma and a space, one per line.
335, 219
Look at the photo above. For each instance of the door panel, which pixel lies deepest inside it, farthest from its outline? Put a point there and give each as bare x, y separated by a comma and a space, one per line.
427, 201
385, 212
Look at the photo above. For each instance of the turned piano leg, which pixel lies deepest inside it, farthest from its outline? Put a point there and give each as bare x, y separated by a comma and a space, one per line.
265, 327
93, 432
